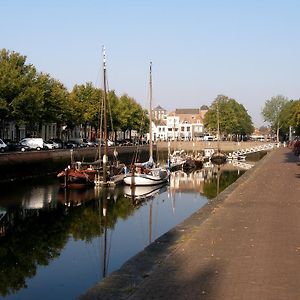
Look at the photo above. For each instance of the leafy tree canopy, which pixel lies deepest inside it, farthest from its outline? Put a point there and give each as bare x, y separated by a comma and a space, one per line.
32, 98
233, 117
273, 112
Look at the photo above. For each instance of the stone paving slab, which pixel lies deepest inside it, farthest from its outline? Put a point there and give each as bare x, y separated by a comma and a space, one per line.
244, 244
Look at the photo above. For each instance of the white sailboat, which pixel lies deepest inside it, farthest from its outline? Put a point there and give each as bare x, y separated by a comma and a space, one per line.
147, 173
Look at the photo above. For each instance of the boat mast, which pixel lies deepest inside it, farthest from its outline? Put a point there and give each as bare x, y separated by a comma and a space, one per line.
105, 158
150, 222
218, 127
150, 116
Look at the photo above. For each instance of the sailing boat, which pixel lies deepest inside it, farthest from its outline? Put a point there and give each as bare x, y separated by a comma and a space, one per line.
146, 173
76, 176
82, 174
108, 175
218, 157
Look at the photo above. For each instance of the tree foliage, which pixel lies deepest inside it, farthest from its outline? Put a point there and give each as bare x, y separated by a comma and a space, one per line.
32, 98
273, 112
290, 117
233, 117
16, 83
26, 96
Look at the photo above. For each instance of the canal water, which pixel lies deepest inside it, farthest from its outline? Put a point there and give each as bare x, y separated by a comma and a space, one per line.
57, 244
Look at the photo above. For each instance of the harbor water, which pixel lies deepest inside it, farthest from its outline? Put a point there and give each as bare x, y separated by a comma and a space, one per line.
56, 244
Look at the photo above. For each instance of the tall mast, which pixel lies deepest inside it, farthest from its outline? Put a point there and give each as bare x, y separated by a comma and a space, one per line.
218, 128
150, 116
105, 158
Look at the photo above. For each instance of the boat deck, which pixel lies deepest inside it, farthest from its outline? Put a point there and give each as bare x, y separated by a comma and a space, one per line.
115, 180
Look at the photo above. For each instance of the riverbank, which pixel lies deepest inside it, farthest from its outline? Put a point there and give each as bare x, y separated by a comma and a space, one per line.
21, 165
244, 244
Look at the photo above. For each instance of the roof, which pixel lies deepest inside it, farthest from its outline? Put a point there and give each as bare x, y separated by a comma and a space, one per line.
158, 108
187, 111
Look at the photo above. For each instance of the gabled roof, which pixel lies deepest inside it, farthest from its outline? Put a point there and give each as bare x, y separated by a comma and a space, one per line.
158, 108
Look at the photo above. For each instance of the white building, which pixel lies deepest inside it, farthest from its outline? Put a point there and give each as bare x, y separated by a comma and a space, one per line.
182, 124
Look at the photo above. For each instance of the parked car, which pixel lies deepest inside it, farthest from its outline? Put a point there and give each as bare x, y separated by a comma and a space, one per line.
3, 146
109, 142
48, 145
11, 145
208, 138
72, 144
125, 142
14, 146
81, 142
57, 143
85, 143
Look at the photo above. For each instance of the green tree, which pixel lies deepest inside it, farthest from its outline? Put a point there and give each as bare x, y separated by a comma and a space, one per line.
85, 102
53, 100
290, 117
233, 117
296, 117
273, 112
17, 88
131, 115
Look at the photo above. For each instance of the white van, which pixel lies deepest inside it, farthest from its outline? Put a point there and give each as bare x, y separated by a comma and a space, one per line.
33, 143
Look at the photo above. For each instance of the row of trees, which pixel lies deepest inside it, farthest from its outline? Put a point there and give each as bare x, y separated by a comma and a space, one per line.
32, 98
282, 114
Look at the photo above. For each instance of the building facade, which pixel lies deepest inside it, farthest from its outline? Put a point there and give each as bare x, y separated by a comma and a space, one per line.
182, 124
159, 113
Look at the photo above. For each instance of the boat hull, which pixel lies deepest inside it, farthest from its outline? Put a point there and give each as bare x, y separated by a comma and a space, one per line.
144, 179
76, 179
218, 159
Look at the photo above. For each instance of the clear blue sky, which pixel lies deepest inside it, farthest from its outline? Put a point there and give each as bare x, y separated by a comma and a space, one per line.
247, 50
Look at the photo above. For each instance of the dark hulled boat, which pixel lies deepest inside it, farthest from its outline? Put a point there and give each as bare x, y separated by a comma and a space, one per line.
77, 177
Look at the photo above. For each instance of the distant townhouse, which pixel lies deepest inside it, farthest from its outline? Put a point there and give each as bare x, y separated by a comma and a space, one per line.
159, 113
181, 124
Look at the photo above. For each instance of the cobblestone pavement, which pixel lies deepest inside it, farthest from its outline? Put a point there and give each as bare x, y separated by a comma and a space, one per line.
245, 244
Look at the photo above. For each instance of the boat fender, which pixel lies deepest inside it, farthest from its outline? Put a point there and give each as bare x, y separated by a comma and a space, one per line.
105, 159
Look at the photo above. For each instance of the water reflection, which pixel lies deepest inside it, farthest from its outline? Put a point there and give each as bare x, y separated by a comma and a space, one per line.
137, 193
41, 226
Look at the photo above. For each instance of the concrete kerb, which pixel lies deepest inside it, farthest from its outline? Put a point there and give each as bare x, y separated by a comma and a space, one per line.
125, 281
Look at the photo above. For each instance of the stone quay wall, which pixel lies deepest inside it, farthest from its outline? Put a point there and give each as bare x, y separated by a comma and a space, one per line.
21, 165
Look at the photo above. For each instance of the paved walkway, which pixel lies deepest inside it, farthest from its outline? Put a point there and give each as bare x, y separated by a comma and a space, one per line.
243, 245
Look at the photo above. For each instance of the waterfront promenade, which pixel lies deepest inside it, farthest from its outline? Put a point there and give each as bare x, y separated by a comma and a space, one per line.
245, 244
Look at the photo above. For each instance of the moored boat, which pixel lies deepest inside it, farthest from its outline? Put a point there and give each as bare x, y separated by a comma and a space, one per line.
218, 158
76, 177
140, 176
147, 173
